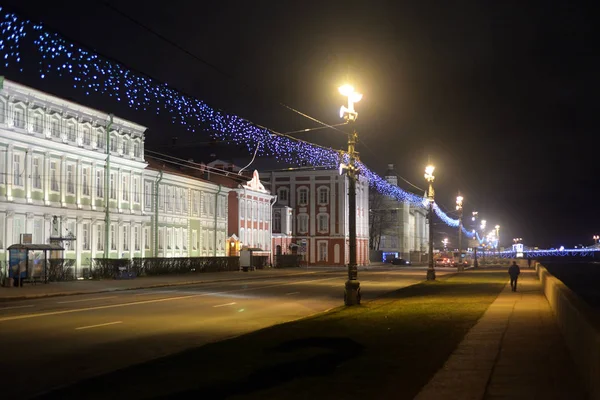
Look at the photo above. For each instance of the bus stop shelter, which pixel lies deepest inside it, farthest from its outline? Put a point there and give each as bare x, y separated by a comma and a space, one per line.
25, 265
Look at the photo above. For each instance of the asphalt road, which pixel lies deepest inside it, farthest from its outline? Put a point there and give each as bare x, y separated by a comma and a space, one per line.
48, 343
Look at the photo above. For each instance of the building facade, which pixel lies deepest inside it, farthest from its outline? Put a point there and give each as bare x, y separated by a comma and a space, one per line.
316, 203
407, 233
53, 182
250, 217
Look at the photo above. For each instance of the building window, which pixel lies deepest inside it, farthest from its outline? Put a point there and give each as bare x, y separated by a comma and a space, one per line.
303, 196
86, 237
322, 251
169, 243
70, 183
17, 170
176, 238
161, 197
55, 128
323, 222
85, 181
136, 238
277, 222
161, 238
195, 202
194, 239
38, 231
113, 237
125, 238
99, 237
71, 133
243, 209
100, 183
184, 239
148, 195
283, 194
101, 141
167, 198
87, 135
302, 223
184, 201
113, 187
37, 175
125, 147
19, 117
2, 112
38, 122
114, 143
125, 188
53, 176
136, 149
177, 194
147, 238
323, 195
136, 190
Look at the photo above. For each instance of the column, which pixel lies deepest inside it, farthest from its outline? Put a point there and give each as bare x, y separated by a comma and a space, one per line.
46, 178
28, 171
78, 182
62, 180
119, 183
143, 239
142, 190
332, 214
29, 223
131, 189
130, 238
93, 236
79, 241
9, 171
9, 237
47, 227
118, 236
93, 185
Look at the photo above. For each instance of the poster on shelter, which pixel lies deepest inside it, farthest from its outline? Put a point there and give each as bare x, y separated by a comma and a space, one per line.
18, 263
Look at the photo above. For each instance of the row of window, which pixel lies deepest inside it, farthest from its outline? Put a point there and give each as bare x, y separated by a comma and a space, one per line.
255, 210
302, 197
69, 130
258, 238
130, 187
175, 199
302, 227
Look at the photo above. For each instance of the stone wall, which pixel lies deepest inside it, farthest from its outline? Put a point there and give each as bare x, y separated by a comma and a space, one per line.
580, 327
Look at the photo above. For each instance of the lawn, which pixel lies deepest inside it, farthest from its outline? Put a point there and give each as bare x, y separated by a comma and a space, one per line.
387, 348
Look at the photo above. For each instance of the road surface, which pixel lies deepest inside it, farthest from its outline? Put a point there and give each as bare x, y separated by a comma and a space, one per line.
52, 342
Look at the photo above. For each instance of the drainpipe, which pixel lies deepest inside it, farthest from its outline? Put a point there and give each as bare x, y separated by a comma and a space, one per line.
107, 190
216, 213
271, 228
160, 176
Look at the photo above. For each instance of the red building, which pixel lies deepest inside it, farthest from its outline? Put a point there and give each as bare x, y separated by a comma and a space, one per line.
311, 212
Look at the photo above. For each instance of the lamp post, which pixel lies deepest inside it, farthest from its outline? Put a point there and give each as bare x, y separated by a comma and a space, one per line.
596, 238
352, 292
497, 227
482, 226
459, 208
430, 197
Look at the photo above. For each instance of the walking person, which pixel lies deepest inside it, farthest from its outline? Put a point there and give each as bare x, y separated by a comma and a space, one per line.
514, 272
528, 262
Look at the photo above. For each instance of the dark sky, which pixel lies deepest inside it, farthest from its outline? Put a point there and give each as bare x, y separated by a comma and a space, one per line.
500, 94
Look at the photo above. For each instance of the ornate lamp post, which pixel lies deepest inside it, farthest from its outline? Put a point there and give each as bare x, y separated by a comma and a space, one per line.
596, 238
459, 208
497, 227
430, 197
352, 292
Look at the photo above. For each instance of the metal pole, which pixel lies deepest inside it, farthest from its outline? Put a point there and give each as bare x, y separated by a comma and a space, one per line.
352, 293
460, 225
431, 269
107, 191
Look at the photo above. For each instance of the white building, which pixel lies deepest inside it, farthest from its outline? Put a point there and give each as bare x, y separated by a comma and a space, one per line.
53, 163
407, 234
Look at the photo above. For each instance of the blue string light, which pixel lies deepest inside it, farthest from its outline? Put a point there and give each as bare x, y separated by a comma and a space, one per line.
92, 74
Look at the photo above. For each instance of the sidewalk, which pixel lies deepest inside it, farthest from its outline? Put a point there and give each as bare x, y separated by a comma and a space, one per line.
515, 351
53, 289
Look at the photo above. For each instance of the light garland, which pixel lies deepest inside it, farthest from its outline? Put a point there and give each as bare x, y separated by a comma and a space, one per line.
95, 74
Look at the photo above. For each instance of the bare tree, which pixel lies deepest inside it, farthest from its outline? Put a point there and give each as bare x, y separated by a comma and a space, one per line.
379, 218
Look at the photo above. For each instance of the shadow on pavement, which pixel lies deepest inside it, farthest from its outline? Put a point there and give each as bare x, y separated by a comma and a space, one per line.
338, 351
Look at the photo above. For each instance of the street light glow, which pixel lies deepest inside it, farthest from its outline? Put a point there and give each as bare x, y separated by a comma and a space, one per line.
346, 90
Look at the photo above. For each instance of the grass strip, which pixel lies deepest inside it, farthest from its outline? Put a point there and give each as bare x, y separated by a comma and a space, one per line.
386, 348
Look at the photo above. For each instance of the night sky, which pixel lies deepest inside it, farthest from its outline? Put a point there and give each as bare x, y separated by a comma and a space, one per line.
500, 94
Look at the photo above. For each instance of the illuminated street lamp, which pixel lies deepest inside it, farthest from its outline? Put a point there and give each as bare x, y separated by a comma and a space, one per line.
430, 197
352, 292
497, 236
445, 243
517, 240
596, 238
459, 208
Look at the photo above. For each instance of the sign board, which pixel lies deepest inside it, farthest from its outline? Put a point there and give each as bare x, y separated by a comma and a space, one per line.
26, 238
518, 248
303, 244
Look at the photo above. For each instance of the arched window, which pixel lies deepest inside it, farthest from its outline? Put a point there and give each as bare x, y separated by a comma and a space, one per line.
19, 117
114, 143
136, 149
55, 127
101, 140
323, 195
71, 132
125, 147
38, 122
87, 135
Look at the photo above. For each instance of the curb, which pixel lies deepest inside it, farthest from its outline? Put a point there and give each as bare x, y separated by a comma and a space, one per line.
159, 285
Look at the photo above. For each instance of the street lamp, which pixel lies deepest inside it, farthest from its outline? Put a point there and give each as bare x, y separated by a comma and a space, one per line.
459, 208
596, 238
445, 243
497, 236
352, 292
430, 196
517, 240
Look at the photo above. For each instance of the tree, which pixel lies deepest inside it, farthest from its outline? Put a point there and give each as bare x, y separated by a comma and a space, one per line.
379, 218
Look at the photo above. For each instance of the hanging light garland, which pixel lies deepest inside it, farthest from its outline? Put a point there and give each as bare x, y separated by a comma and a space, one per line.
93, 74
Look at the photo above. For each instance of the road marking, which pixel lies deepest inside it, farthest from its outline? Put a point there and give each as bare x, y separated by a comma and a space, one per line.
13, 307
133, 303
79, 301
291, 293
223, 305
99, 325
